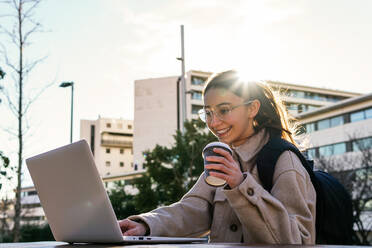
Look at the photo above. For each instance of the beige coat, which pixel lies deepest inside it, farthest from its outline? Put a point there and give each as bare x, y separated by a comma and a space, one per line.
247, 213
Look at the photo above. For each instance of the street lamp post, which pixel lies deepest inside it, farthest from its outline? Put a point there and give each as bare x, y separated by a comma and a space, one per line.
64, 85
178, 103
182, 80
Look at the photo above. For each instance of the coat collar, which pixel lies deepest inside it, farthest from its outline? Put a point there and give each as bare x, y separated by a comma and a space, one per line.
249, 149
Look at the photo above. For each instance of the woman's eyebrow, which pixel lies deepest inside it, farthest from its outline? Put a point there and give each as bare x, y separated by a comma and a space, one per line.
222, 103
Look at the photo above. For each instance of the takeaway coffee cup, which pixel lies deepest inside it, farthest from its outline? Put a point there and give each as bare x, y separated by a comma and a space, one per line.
208, 151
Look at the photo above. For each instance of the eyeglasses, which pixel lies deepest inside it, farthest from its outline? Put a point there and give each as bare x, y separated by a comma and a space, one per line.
222, 112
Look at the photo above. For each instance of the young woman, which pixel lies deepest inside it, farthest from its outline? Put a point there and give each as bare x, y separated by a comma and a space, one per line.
243, 115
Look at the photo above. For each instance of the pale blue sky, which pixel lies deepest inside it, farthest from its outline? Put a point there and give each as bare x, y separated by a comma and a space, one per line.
103, 46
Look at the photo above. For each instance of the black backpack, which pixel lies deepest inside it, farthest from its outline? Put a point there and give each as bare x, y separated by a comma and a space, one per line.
334, 214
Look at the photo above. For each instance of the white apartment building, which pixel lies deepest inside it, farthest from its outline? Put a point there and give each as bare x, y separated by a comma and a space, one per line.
301, 98
111, 142
336, 129
158, 110
32, 212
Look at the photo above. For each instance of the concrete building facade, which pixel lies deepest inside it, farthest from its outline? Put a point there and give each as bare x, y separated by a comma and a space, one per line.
111, 142
336, 129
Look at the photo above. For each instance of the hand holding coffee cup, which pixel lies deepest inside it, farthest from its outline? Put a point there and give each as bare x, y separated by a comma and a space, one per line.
208, 151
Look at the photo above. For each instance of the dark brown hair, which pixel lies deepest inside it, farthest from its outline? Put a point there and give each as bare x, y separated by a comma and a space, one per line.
272, 114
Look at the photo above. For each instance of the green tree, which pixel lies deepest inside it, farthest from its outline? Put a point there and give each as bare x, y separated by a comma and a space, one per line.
122, 202
5, 204
33, 233
357, 179
171, 172
5, 209
4, 167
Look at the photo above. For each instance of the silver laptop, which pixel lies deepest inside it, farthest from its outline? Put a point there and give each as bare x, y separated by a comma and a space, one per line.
75, 201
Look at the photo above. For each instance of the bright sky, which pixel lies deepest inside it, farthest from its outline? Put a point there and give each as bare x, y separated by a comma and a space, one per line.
103, 46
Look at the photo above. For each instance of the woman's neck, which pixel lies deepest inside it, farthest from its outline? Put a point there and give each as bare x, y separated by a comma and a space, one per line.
242, 140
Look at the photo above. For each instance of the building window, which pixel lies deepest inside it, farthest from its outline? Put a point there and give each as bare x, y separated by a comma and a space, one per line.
311, 153
108, 163
339, 148
121, 164
31, 205
368, 113
310, 127
195, 109
311, 107
316, 96
121, 151
108, 125
300, 108
357, 116
337, 121
325, 151
135, 167
33, 192
335, 149
327, 123
361, 115
362, 144
296, 93
108, 150
196, 95
323, 124
129, 126
198, 80
313, 96
291, 106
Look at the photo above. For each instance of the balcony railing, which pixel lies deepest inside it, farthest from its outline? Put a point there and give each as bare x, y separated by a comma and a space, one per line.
117, 143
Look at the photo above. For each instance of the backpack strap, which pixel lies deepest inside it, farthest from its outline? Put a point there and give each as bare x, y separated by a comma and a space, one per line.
269, 155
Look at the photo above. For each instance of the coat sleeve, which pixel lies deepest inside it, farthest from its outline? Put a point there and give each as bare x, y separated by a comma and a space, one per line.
189, 217
284, 216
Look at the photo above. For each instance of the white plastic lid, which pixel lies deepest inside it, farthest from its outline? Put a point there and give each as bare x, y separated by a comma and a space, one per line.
217, 143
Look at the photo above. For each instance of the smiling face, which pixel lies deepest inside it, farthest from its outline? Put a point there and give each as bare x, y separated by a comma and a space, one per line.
238, 124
